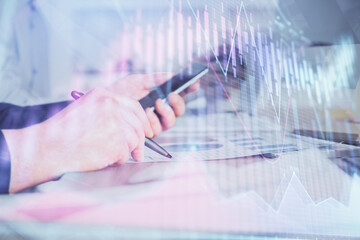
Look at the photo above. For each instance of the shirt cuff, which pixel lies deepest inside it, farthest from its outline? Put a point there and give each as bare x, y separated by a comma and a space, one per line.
5, 165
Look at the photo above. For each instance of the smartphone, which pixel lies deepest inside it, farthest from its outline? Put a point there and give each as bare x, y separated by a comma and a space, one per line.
176, 84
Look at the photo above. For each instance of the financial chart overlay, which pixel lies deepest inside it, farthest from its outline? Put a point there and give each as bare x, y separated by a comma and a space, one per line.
268, 147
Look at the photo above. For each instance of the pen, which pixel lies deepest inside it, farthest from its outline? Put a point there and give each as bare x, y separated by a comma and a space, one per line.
148, 142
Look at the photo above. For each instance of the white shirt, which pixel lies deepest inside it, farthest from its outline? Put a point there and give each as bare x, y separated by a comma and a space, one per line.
24, 60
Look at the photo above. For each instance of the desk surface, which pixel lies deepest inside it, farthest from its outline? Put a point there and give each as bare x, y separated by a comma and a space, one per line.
299, 193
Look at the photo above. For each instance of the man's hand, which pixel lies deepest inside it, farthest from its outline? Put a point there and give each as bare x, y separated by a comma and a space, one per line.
138, 86
98, 130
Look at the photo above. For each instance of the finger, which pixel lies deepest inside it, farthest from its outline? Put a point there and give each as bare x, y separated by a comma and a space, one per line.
129, 145
135, 126
166, 113
139, 111
123, 153
154, 122
192, 88
177, 103
138, 153
136, 108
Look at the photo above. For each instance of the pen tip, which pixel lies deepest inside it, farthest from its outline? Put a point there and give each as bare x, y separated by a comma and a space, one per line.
168, 155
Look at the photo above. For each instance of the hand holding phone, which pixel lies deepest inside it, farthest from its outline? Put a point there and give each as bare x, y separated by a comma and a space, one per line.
176, 84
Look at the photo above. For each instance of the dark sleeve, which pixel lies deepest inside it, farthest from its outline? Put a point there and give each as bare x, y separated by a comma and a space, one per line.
16, 117
4, 165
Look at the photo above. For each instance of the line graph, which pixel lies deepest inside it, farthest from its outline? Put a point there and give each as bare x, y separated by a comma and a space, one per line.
272, 187
225, 70
193, 198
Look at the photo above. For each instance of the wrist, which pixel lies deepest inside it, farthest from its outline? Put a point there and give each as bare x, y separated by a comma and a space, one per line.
29, 165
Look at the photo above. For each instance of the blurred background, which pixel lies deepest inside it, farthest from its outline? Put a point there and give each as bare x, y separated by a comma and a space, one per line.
265, 52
